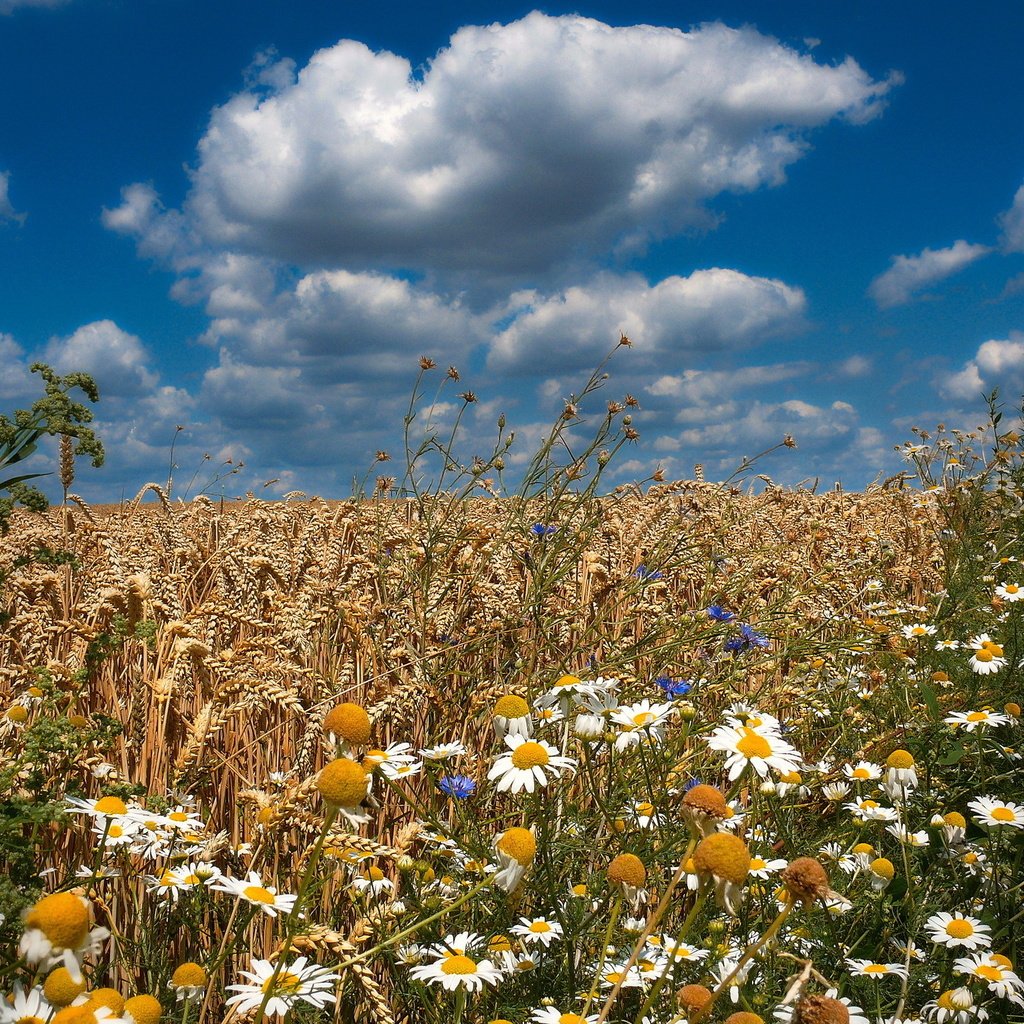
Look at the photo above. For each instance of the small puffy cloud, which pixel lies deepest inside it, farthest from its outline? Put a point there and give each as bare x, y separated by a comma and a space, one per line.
116, 359
508, 153
909, 274
7, 211
997, 363
711, 310
1012, 224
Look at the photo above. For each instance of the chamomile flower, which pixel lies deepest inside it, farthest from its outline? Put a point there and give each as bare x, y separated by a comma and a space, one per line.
23, 1007
761, 868
537, 930
58, 929
994, 971
874, 971
641, 722
1010, 592
512, 715
189, 980
763, 750
373, 881
917, 630
954, 930
529, 764
553, 1015
252, 890
566, 691
871, 810
394, 753
286, 985
954, 1006
105, 808
969, 721
457, 970
516, 849
396, 771
443, 751
997, 813
863, 771
987, 656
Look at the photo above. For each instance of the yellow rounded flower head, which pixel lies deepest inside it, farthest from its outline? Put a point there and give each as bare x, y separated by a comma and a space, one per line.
820, 1010
17, 713
511, 706
1012, 708
81, 1014
61, 989
143, 1010
111, 805
520, 844
691, 999
706, 800
883, 867
723, 855
955, 820
865, 848
900, 759
744, 1017
343, 783
627, 869
188, 975
806, 880
350, 722
63, 918
108, 997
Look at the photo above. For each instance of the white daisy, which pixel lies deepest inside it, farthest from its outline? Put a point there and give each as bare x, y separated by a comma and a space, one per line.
443, 751
537, 930
997, 813
529, 764
863, 771
455, 970
1010, 592
25, 1007
971, 720
954, 930
763, 749
553, 1015
869, 969
992, 970
252, 890
300, 981
917, 630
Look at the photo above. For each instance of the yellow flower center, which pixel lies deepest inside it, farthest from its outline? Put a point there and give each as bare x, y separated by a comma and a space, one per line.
17, 713
753, 745
511, 706
567, 681
643, 718
115, 832
499, 944
793, 778
970, 858
108, 997
861, 773
724, 856
988, 972
645, 809
876, 969
285, 983
756, 863
178, 816
459, 965
955, 820
883, 867
959, 928
143, 1009
29, 1020
350, 722
61, 989
1003, 814
540, 927
977, 716
257, 894
530, 755
343, 783
627, 869
189, 974
111, 805
863, 848
983, 655
900, 759
1011, 588
63, 918
570, 1018
519, 844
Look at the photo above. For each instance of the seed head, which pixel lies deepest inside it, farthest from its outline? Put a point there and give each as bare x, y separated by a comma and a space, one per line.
143, 1010
820, 1010
806, 880
691, 999
343, 783
723, 855
627, 869
350, 722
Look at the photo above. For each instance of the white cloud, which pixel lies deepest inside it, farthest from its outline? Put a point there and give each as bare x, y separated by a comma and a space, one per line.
997, 363
518, 146
1012, 223
909, 274
7, 211
711, 310
116, 359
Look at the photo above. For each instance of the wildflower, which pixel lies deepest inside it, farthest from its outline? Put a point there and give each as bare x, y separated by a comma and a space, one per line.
516, 849
748, 746
188, 981
995, 813
552, 1015
641, 721
537, 930
947, 645
821, 1009
512, 715
748, 639
589, 727
454, 969
565, 690
540, 530
691, 999
704, 807
142, 1010
990, 969
726, 858
286, 986
401, 771
835, 792
864, 771
343, 783
641, 572
673, 688
109, 808
719, 614
882, 873
988, 655
904, 835
60, 927
627, 870
971, 720
869, 969
252, 890
529, 764
918, 629
394, 754
954, 1006
901, 771
761, 868
1010, 592
953, 930
61, 989
458, 786
806, 881
348, 724
443, 751
26, 1007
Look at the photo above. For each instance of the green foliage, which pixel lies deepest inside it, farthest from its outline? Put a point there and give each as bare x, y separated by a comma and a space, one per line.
55, 413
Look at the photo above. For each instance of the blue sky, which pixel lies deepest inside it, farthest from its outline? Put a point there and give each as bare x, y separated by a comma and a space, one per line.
250, 220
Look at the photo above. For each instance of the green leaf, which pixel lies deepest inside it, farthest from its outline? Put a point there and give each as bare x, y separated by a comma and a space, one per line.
953, 756
928, 693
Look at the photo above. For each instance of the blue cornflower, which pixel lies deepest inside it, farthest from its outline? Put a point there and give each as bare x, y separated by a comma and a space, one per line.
460, 786
695, 781
748, 639
641, 572
719, 614
541, 531
673, 687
